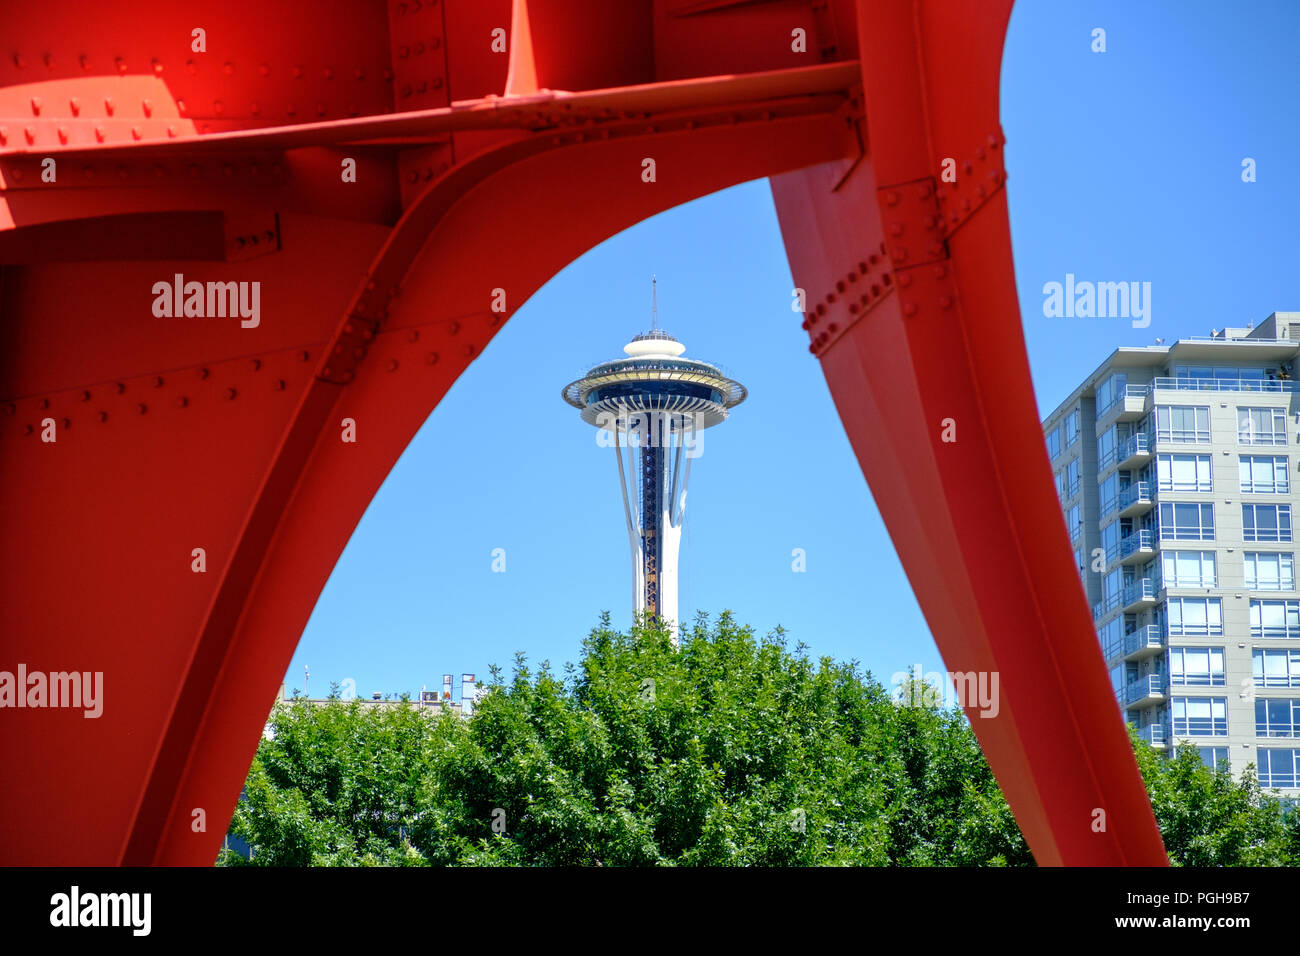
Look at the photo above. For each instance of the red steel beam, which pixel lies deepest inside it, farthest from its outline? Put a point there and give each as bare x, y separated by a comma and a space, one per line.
177, 434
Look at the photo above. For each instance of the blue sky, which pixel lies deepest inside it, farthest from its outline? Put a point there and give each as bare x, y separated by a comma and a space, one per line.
1122, 166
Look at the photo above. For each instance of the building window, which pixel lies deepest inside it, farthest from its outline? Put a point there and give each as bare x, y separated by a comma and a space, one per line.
1184, 473
1278, 768
1214, 757
1269, 571
1261, 426
1110, 392
1074, 521
1200, 716
1071, 428
1112, 588
1111, 638
1188, 521
1107, 446
1072, 475
1276, 718
1078, 560
1110, 541
1264, 475
1265, 522
1196, 667
1275, 619
1276, 668
1108, 494
1054, 442
1060, 484
1209, 374
1195, 617
1183, 423
1189, 569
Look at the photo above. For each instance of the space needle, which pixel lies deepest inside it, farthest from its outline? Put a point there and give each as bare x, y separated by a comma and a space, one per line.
651, 407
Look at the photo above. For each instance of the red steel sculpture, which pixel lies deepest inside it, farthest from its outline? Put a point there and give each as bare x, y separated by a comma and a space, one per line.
382, 184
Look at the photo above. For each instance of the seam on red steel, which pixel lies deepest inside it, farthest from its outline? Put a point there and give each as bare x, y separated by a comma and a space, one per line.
107, 401
913, 225
872, 268
417, 42
961, 200
714, 93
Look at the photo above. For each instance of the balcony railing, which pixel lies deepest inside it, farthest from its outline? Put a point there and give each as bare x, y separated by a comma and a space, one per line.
1106, 605
1128, 401
1137, 446
1225, 384
1136, 543
1151, 687
1141, 591
1144, 640
1157, 734
1136, 493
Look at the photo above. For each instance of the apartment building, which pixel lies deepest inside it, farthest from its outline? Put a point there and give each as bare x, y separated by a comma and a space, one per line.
1173, 464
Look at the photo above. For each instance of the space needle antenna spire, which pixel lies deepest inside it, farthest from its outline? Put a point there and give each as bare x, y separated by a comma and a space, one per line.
654, 303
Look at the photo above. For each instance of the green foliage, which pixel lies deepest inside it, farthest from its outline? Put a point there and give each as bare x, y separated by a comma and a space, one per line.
1208, 819
728, 751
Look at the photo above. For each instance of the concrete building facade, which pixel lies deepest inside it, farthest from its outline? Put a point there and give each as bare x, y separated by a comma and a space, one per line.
1178, 469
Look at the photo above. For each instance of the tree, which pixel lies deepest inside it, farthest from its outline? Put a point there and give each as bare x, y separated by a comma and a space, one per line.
1208, 819
730, 751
